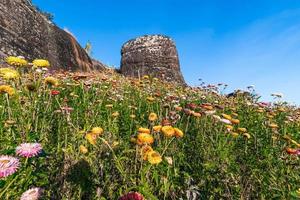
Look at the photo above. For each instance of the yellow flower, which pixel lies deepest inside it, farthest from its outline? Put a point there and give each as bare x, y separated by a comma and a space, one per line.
150, 99
157, 128
132, 116
41, 63
115, 144
83, 149
234, 134
109, 106
154, 157
144, 130
152, 117
247, 135
229, 127
97, 131
91, 138
168, 131
115, 114
226, 116
16, 61
145, 150
8, 73
145, 138
51, 81
7, 89
235, 114
146, 77
273, 125
178, 132
242, 130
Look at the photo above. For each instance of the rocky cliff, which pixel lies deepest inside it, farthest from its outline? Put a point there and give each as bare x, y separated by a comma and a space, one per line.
154, 55
26, 32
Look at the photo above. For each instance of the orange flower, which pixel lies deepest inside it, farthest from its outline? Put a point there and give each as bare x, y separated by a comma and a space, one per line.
145, 150
235, 121
157, 128
168, 131
273, 125
178, 132
145, 138
144, 130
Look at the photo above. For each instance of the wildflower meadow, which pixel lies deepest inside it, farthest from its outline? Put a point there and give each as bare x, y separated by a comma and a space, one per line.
71, 135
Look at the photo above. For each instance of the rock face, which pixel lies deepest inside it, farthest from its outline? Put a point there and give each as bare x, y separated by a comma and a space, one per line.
26, 32
154, 55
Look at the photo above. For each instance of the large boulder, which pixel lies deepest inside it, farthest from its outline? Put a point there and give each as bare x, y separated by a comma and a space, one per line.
24, 31
154, 55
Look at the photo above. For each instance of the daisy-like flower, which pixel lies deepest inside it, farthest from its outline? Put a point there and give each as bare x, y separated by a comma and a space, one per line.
6, 89
16, 61
8, 73
154, 157
32, 194
41, 63
132, 196
144, 130
152, 117
29, 150
168, 131
8, 165
145, 138
51, 81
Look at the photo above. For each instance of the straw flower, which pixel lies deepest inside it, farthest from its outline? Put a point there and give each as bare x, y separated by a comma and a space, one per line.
32, 194
8, 165
41, 63
154, 157
29, 150
168, 131
152, 117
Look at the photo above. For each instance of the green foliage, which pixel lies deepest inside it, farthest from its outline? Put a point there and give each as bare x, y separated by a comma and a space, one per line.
209, 162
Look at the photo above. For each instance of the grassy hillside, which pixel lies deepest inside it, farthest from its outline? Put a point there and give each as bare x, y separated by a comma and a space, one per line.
101, 136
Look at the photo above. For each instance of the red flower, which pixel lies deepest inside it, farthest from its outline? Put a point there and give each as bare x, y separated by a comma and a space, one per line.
132, 196
55, 92
293, 151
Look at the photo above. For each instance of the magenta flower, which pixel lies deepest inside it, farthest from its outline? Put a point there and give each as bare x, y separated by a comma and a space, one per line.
29, 150
8, 165
132, 196
32, 194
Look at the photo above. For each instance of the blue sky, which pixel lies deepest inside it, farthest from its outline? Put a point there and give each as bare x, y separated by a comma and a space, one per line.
238, 42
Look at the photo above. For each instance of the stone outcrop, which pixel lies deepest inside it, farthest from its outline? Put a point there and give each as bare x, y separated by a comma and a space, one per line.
154, 55
24, 31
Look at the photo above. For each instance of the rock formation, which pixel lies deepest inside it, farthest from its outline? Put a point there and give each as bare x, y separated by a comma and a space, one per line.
154, 55
24, 31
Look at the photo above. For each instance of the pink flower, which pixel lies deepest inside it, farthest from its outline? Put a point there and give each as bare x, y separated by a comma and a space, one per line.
8, 165
132, 196
32, 194
29, 149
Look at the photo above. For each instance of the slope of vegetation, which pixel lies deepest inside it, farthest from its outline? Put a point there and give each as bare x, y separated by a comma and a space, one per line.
101, 136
